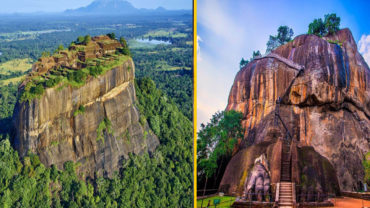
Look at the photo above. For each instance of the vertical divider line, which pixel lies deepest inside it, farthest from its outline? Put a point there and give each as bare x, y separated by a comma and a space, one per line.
195, 100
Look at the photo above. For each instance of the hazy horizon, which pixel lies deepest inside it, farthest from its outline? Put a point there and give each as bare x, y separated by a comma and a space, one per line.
58, 6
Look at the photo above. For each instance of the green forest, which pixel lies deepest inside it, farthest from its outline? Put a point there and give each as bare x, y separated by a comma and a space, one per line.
162, 180
164, 98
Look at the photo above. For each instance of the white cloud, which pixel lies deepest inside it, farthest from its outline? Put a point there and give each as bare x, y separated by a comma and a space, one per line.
199, 39
364, 47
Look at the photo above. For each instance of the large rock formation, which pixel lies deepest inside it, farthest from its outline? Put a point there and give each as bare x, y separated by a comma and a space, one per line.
96, 125
325, 108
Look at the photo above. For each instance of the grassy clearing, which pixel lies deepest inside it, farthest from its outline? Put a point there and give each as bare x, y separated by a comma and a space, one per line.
163, 66
27, 35
14, 65
165, 33
225, 201
14, 80
136, 44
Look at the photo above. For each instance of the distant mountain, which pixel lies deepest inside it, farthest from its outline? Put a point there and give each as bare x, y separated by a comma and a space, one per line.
117, 7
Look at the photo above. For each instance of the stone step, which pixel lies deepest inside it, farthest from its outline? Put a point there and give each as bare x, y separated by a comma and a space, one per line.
285, 203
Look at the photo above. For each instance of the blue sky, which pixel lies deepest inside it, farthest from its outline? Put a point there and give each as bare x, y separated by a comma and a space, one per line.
27, 6
230, 30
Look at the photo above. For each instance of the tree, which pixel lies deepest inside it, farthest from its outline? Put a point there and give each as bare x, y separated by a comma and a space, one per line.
80, 39
284, 35
243, 63
216, 141
111, 35
45, 54
317, 27
329, 26
256, 54
60, 47
123, 42
87, 40
332, 23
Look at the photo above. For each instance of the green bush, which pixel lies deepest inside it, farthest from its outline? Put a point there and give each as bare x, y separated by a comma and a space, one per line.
366, 164
329, 26
317, 27
37, 90
104, 125
52, 82
77, 76
332, 23
111, 35
125, 51
87, 40
80, 110
95, 70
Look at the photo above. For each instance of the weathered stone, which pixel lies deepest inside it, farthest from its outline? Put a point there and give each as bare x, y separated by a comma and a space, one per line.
49, 126
326, 107
257, 184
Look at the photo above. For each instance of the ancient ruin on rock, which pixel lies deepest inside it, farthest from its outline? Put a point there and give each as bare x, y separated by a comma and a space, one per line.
79, 105
306, 107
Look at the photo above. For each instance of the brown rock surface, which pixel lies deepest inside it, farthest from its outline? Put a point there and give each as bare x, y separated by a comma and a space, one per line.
326, 108
50, 127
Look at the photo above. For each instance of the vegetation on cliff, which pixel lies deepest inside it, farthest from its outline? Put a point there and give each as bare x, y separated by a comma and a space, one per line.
85, 57
366, 164
283, 36
216, 142
161, 180
327, 27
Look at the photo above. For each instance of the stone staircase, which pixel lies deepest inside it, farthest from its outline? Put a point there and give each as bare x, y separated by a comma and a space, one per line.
285, 162
286, 194
286, 186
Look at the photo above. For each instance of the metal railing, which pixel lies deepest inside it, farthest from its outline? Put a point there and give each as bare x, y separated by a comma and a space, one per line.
208, 203
207, 192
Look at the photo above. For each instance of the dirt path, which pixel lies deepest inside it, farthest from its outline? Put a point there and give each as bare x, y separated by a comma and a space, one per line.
347, 202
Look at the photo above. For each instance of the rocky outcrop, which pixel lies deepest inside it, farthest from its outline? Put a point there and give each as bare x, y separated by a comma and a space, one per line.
325, 107
96, 125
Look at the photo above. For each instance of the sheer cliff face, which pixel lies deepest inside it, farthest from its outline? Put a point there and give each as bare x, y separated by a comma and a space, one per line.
327, 107
99, 137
